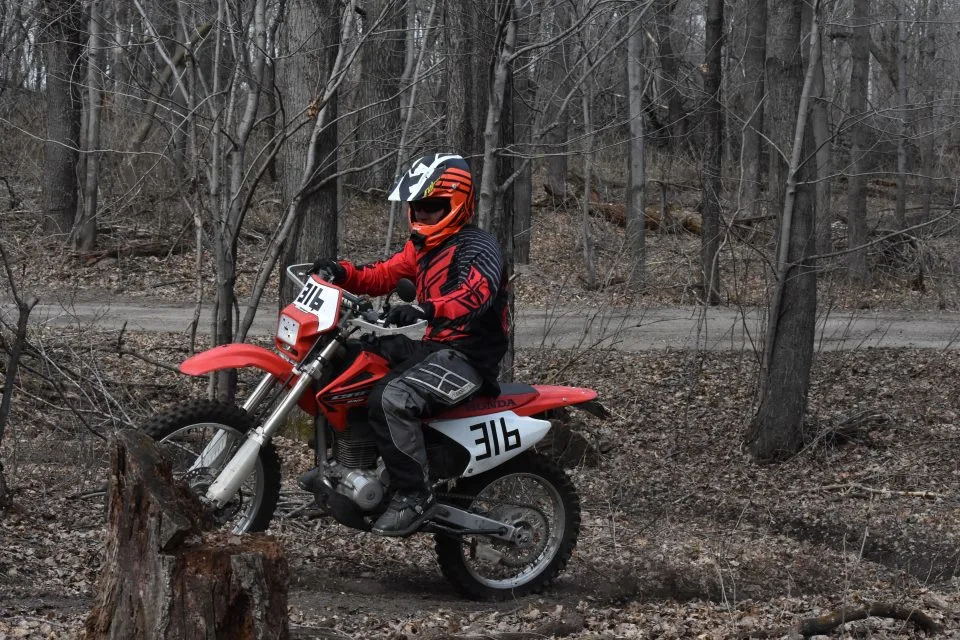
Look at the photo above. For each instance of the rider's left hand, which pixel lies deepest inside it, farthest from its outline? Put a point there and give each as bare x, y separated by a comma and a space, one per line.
332, 268
408, 314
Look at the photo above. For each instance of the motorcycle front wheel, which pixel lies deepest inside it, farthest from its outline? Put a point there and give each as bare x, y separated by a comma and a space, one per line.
532, 493
198, 438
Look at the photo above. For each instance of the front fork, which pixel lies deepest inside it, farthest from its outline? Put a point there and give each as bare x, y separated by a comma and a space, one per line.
243, 461
219, 447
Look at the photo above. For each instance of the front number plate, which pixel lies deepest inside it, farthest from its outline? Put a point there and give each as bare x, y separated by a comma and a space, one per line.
321, 300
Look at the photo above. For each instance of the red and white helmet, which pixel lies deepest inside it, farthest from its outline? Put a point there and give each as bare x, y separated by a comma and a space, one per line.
437, 176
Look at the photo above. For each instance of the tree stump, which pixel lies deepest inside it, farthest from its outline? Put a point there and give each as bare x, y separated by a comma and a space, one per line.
166, 575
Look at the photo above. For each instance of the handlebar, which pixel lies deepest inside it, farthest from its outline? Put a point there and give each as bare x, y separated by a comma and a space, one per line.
299, 273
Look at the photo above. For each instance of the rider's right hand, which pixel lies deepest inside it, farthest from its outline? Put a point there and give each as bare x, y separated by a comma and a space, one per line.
330, 266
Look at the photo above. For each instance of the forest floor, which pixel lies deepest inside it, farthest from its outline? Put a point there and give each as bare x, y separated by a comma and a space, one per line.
694, 541
683, 536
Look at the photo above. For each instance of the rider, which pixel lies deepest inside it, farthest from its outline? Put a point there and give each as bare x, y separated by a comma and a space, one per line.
461, 293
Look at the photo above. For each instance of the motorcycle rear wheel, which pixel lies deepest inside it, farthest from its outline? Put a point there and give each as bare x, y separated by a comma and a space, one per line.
183, 433
530, 492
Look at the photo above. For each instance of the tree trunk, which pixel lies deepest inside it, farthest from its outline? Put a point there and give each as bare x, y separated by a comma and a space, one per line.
776, 430
225, 385
464, 134
554, 84
754, 57
636, 151
86, 233
780, 114
489, 187
314, 230
522, 118
929, 71
504, 221
381, 65
900, 210
823, 138
61, 42
164, 577
24, 307
586, 238
856, 180
411, 78
670, 70
712, 155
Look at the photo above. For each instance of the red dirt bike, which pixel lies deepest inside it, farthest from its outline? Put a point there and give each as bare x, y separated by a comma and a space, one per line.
506, 518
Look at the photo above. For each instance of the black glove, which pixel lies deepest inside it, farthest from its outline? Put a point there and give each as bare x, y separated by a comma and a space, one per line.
330, 266
408, 314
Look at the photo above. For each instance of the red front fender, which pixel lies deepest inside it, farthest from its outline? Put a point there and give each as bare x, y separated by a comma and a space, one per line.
240, 356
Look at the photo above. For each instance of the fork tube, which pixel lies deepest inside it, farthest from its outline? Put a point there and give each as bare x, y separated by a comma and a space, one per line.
241, 464
262, 389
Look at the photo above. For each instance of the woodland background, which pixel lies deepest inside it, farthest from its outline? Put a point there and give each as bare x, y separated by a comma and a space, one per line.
795, 155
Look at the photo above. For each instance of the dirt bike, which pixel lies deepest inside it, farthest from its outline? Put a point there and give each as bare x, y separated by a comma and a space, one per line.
506, 518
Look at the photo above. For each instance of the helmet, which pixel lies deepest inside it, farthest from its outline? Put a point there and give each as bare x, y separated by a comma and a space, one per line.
438, 176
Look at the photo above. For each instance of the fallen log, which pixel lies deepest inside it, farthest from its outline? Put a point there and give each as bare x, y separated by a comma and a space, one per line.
166, 575
617, 213
820, 625
161, 248
674, 223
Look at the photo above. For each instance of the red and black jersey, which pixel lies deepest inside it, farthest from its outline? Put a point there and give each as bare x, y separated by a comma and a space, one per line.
463, 280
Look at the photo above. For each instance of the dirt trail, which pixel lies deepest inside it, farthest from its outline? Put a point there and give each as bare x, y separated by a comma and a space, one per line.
640, 329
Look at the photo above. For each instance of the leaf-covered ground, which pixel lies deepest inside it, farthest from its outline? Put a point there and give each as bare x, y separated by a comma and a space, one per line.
683, 536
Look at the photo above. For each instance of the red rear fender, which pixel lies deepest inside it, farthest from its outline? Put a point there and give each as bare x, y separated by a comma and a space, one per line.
550, 397
241, 356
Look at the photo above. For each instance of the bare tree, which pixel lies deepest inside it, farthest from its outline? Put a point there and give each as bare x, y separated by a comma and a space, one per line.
930, 18
669, 81
900, 212
554, 83
776, 430
312, 32
823, 137
85, 235
506, 41
412, 77
522, 107
62, 44
754, 59
464, 129
24, 307
712, 155
229, 184
318, 160
586, 101
637, 175
380, 70
856, 180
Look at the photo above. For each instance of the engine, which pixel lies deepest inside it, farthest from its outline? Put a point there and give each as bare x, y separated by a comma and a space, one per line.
361, 479
362, 487
355, 449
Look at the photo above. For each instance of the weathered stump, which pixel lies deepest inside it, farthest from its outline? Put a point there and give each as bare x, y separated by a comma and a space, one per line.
166, 575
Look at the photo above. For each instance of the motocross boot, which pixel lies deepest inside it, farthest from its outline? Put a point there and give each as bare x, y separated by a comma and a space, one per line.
406, 513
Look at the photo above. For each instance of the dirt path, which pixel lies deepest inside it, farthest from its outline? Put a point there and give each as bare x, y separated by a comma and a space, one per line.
639, 329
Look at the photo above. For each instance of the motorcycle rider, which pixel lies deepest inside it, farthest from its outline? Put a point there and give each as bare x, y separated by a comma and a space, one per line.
461, 293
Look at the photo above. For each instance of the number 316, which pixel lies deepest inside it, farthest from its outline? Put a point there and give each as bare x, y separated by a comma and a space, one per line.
493, 434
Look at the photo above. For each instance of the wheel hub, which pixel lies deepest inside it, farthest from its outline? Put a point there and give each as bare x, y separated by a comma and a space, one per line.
533, 531
199, 481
